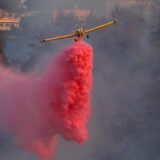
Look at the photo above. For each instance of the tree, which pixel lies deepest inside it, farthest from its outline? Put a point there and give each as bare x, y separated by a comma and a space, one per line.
30, 4
39, 4
11, 5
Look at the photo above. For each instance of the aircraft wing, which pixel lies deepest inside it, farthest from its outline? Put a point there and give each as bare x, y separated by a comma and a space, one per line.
58, 38
101, 26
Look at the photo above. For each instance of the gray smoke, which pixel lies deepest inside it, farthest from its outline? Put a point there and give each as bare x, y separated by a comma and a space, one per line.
11, 7
125, 113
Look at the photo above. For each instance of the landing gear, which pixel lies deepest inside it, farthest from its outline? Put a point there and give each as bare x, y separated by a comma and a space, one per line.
87, 36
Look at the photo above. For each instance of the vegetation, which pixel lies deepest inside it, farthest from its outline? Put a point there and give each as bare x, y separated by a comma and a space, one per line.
11, 5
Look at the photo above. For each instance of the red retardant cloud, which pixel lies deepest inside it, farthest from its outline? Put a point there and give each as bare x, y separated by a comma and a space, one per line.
37, 109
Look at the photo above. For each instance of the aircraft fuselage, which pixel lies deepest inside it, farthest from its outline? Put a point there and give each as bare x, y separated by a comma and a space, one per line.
79, 31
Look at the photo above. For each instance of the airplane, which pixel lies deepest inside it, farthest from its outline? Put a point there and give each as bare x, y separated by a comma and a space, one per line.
80, 31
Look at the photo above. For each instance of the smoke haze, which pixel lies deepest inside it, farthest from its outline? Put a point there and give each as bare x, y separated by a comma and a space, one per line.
125, 107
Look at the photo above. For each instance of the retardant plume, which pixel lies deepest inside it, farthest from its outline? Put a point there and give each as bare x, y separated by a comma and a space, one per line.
37, 109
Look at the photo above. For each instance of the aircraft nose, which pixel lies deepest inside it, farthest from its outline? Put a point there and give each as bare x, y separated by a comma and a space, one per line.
115, 21
42, 41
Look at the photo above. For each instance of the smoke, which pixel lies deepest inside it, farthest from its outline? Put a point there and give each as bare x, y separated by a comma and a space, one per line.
7, 8
2, 46
11, 5
35, 110
125, 118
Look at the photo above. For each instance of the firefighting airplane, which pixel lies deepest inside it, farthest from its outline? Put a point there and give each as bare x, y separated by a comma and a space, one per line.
80, 32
